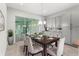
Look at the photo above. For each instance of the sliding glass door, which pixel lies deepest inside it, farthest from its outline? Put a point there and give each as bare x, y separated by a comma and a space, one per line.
25, 26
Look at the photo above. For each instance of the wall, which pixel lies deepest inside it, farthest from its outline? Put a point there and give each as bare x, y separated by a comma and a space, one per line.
14, 12
75, 24
71, 18
3, 34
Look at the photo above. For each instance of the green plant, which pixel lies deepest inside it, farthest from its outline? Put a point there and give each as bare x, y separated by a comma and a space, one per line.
10, 33
40, 33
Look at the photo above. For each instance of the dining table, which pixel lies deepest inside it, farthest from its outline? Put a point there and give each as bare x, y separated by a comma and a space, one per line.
45, 42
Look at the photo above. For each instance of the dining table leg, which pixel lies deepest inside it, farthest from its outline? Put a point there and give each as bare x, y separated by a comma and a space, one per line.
26, 52
56, 43
44, 50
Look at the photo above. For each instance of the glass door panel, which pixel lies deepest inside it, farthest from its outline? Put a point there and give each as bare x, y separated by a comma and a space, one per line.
25, 26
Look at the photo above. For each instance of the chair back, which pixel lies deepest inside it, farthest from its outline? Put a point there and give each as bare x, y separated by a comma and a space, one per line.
29, 43
25, 40
60, 46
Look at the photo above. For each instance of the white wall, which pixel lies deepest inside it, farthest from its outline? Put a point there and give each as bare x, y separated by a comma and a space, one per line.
75, 24
14, 12
3, 34
73, 14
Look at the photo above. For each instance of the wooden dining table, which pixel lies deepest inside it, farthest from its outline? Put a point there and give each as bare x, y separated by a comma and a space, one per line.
46, 41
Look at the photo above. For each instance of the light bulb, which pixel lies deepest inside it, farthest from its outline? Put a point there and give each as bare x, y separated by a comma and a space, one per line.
40, 22
44, 22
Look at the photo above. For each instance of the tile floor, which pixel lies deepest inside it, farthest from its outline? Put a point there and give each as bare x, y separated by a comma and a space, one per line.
17, 50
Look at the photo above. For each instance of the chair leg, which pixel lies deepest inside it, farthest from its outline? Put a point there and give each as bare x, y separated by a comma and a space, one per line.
28, 53
32, 54
24, 49
42, 53
48, 54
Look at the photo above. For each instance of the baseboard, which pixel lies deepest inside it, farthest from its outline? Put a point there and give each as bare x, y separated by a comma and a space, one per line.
73, 45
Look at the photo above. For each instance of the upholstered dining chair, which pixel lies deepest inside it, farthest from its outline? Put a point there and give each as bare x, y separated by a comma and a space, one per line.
57, 51
33, 49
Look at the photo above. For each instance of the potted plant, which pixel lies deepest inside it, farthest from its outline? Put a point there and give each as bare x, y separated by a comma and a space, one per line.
10, 37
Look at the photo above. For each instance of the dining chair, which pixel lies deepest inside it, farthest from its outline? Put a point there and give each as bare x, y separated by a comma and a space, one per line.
25, 49
57, 51
33, 49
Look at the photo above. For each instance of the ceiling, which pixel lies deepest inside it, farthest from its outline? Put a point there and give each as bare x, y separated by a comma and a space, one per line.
43, 9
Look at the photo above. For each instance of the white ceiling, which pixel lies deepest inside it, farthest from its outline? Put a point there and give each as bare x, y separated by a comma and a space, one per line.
43, 9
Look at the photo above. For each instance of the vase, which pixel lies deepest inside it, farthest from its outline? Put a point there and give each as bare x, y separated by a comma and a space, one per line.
10, 40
